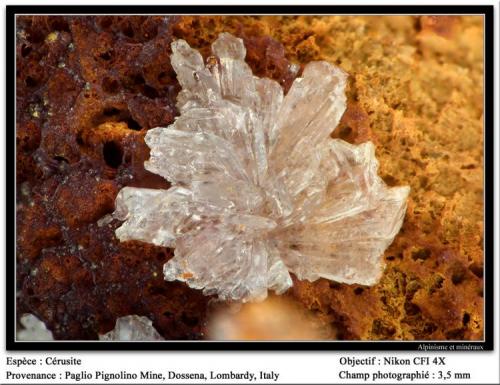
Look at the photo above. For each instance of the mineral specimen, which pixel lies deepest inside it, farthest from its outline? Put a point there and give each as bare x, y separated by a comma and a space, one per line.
34, 329
259, 189
132, 328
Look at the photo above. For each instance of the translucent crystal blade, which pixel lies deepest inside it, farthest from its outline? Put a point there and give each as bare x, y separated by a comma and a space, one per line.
132, 328
310, 111
352, 181
183, 157
347, 249
278, 278
232, 124
156, 216
235, 76
345, 236
32, 329
229, 47
270, 101
229, 263
199, 87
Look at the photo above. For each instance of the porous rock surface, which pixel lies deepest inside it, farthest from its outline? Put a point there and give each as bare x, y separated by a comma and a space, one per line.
88, 89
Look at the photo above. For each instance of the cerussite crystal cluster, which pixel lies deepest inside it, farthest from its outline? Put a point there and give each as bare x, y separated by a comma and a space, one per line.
132, 328
259, 189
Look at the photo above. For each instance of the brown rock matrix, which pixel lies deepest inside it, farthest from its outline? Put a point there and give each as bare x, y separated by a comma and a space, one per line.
88, 89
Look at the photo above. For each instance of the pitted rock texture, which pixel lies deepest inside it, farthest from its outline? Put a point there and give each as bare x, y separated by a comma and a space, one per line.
88, 89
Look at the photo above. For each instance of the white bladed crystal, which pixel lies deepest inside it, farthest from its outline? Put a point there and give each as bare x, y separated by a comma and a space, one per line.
33, 329
259, 189
132, 328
